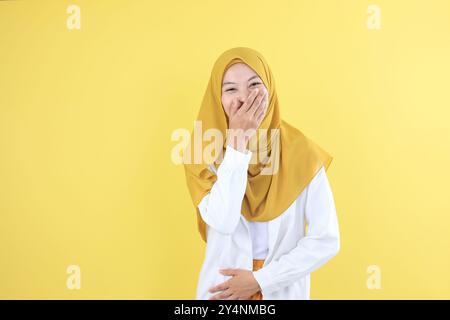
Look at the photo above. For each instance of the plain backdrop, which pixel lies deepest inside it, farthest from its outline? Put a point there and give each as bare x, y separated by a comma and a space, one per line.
86, 117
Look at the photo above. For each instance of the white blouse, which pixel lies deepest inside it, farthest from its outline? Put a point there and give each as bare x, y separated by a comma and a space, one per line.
260, 243
290, 253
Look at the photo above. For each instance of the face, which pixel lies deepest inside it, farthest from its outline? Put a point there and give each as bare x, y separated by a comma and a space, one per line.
238, 82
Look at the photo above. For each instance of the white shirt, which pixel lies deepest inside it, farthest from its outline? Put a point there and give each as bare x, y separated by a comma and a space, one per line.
259, 236
292, 254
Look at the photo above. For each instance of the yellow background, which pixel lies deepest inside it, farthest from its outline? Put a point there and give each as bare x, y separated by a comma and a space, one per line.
86, 118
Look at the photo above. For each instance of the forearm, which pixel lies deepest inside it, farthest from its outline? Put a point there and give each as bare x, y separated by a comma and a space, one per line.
221, 207
320, 244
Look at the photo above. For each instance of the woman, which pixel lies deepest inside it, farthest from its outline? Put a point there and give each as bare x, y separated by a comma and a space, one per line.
259, 193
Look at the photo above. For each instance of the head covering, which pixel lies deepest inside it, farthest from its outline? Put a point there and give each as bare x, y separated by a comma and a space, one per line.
299, 159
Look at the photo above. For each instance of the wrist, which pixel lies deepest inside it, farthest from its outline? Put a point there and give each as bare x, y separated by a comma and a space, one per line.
239, 143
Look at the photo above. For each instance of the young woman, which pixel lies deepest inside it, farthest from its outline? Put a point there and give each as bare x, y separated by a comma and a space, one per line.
260, 192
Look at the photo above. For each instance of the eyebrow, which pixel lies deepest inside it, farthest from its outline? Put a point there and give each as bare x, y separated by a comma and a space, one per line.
255, 76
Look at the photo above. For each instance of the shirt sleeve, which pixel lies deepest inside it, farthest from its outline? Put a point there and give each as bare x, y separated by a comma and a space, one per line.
221, 207
319, 244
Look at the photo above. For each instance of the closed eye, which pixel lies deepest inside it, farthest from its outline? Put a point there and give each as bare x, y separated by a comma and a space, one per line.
253, 84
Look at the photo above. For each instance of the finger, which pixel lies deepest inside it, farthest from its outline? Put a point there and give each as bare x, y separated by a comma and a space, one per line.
217, 296
223, 286
249, 101
260, 118
262, 108
228, 272
258, 104
214, 297
225, 294
233, 107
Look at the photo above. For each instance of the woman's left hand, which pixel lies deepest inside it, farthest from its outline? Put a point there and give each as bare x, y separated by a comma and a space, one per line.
242, 285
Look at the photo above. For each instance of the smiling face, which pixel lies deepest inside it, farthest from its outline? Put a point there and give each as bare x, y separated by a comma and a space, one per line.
238, 82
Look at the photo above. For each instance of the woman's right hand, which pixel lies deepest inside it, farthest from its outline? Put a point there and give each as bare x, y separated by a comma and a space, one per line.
245, 119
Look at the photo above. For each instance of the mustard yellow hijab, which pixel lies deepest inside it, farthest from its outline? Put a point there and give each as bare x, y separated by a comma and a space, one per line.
299, 158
